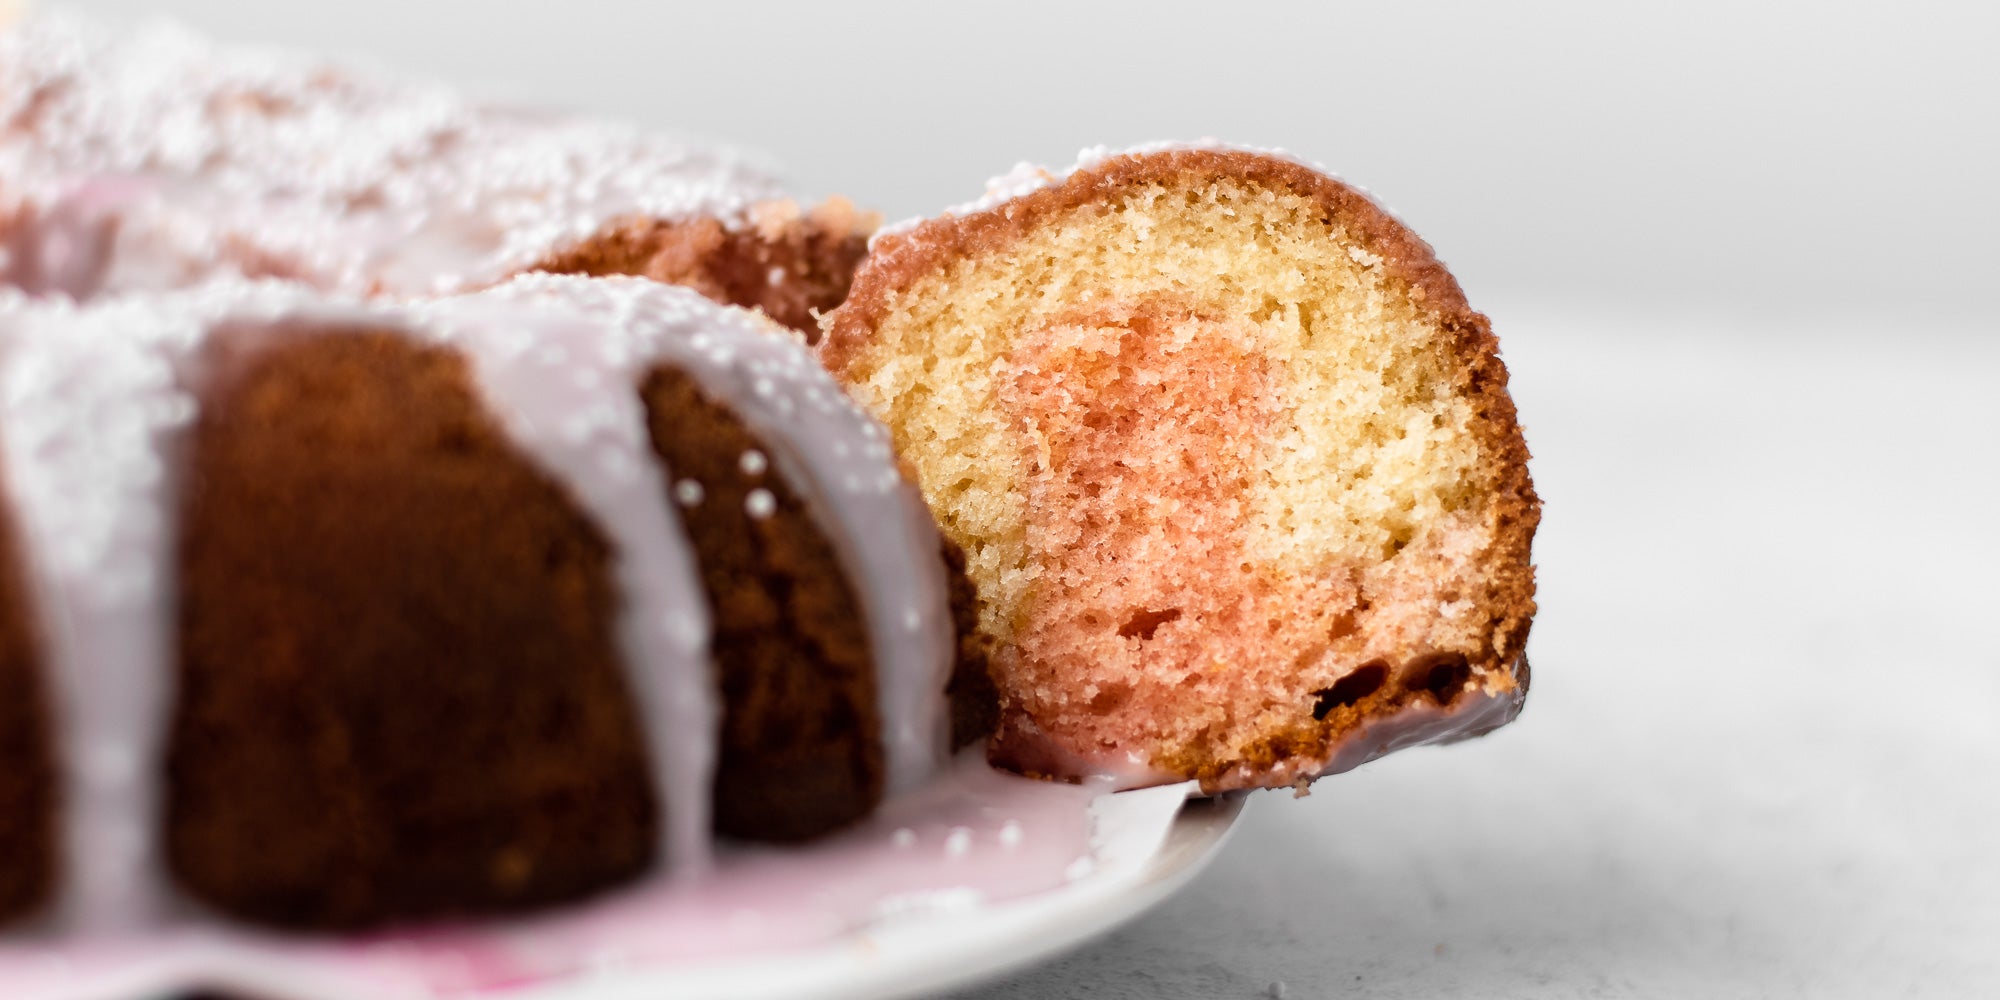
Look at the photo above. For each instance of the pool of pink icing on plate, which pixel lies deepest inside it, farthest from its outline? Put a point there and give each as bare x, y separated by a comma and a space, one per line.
973, 835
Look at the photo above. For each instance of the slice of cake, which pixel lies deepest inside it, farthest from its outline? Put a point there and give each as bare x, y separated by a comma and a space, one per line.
1232, 461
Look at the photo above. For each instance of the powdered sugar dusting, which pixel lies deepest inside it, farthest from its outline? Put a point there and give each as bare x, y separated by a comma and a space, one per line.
149, 159
94, 409
83, 433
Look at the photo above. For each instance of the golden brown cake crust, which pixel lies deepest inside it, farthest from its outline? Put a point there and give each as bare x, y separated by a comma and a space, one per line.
897, 259
900, 259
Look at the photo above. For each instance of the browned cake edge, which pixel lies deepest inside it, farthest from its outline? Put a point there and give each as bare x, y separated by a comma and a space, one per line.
788, 264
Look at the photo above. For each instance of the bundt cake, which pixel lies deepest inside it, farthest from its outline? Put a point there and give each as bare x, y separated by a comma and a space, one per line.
147, 159
1232, 461
325, 615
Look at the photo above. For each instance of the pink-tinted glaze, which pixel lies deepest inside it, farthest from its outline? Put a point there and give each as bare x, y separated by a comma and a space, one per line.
972, 836
564, 385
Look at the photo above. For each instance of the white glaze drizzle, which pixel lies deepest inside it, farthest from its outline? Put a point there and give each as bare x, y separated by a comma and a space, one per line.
563, 385
837, 458
159, 160
92, 418
94, 406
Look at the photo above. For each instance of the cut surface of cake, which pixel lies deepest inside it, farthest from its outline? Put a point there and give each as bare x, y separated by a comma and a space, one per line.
1233, 463
146, 159
330, 615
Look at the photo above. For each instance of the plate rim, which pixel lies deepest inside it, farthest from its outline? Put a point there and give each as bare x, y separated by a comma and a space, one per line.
901, 959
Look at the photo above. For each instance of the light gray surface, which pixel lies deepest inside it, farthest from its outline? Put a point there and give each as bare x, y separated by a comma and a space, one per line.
1761, 758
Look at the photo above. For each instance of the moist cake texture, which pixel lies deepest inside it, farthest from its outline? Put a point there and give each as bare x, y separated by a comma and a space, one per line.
1232, 461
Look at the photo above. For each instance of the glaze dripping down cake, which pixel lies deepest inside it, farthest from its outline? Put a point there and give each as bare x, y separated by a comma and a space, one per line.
1233, 463
330, 615
148, 159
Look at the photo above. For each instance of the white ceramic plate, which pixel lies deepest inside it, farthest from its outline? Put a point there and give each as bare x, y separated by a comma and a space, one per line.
913, 957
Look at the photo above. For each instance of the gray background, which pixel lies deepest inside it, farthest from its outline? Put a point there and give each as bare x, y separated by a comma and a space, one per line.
1739, 256
1777, 155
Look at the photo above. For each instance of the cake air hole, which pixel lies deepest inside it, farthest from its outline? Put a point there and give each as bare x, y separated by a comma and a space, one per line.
1143, 624
1364, 681
1440, 675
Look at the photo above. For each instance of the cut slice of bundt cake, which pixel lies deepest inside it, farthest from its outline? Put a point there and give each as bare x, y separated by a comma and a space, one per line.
331, 615
147, 159
1232, 461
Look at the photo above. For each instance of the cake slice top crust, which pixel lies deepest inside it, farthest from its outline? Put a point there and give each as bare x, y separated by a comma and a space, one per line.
1232, 460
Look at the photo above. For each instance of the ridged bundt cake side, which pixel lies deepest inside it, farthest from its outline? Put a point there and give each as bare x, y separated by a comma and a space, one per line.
1233, 462
148, 159
367, 614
